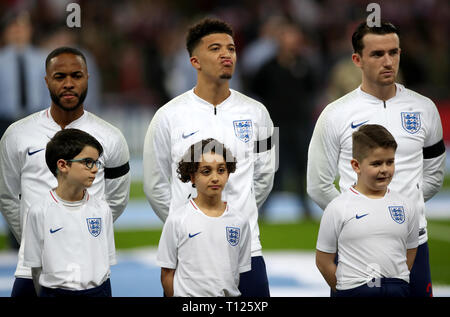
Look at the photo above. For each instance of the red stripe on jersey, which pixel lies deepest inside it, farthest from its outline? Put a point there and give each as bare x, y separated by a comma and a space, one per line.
192, 203
53, 197
354, 191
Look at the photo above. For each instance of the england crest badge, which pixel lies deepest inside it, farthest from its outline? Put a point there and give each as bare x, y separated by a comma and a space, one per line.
397, 213
94, 226
411, 121
233, 235
243, 130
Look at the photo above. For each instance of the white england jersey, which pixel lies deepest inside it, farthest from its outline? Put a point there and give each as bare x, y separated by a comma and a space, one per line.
25, 177
240, 123
207, 253
414, 122
371, 236
73, 242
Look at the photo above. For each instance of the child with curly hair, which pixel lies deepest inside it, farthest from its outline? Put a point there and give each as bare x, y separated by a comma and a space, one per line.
205, 245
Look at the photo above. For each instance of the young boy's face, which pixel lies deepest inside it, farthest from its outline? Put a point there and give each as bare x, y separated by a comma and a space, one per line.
78, 173
211, 176
375, 171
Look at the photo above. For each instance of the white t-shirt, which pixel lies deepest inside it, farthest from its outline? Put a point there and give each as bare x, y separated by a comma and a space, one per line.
239, 122
207, 253
414, 122
73, 242
371, 236
25, 177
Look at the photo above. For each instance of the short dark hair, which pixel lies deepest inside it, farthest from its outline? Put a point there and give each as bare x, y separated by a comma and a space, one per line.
193, 156
369, 137
66, 144
64, 50
203, 28
363, 29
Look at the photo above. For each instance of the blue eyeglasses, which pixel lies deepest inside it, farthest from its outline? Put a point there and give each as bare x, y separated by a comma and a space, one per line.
88, 162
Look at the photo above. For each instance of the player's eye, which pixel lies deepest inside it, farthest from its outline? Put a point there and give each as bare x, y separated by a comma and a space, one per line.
222, 170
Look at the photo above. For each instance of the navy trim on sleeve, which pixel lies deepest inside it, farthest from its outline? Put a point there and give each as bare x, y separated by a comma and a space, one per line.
115, 172
434, 150
263, 145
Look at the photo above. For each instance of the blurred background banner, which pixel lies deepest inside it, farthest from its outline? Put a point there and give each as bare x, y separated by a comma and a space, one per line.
293, 55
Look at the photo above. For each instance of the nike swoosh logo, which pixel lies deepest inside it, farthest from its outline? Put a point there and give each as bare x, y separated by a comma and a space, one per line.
354, 126
359, 217
193, 235
56, 230
34, 152
188, 135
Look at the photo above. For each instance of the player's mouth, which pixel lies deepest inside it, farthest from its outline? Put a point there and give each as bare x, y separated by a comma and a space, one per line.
387, 73
215, 187
227, 63
68, 96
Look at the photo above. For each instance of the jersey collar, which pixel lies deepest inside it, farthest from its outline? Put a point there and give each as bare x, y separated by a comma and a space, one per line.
205, 103
399, 90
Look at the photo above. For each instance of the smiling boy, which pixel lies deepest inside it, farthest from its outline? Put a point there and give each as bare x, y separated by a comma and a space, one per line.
373, 229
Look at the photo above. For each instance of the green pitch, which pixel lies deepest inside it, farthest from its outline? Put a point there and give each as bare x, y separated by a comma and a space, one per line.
302, 236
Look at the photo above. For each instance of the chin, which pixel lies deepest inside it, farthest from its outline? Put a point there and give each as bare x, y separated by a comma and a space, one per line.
226, 76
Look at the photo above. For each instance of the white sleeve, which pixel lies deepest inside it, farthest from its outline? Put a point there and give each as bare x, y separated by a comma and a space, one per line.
110, 237
157, 162
434, 155
265, 159
245, 261
413, 227
168, 245
329, 230
10, 179
33, 238
323, 154
117, 177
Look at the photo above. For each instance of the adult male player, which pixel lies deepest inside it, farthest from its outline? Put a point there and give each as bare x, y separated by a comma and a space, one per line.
213, 110
411, 118
25, 177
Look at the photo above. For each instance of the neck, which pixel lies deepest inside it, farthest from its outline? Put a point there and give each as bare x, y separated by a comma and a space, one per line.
214, 92
381, 92
69, 193
212, 206
375, 194
63, 117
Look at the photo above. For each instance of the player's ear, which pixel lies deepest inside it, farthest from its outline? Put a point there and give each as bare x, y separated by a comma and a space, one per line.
195, 62
62, 165
356, 58
355, 166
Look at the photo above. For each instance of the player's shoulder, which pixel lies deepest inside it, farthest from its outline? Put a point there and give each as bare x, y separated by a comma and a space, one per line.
414, 95
341, 203
41, 206
179, 213
175, 103
245, 101
348, 101
102, 126
25, 125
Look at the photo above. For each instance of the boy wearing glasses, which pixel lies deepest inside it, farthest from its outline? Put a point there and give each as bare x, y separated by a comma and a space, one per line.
69, 234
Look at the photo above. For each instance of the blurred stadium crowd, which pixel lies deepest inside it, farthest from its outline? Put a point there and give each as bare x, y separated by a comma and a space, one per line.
293, 55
